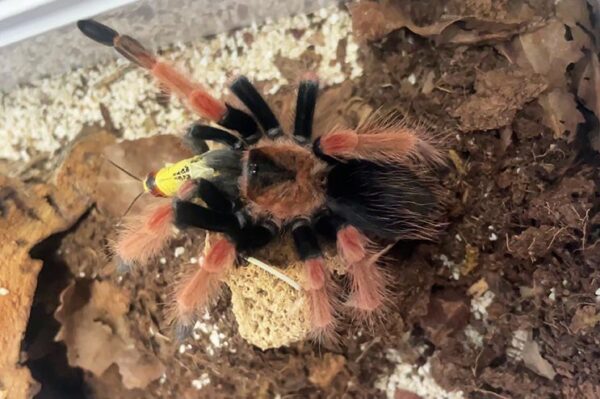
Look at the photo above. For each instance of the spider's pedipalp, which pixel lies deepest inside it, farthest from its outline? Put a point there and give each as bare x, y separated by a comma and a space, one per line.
305, 110
252, 99
199, 133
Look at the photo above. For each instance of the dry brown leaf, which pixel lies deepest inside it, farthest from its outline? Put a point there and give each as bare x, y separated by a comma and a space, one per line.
534, 361
587, 92
330, 108
548, 51
575, 12
585, 319
448, 312
589, 85
498, 95
373, 21
479, 20
322, 371
561, 114
94, 330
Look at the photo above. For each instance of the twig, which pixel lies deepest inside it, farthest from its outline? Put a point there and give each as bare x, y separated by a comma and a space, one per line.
369, 345
274, 272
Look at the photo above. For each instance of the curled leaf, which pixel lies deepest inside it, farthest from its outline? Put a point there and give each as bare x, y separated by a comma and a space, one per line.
95, 331
561, 114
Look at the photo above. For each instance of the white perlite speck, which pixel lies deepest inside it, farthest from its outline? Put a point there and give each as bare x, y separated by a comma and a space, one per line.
412, 378
474, 336
49, 113
201, 382
4, 291
179, 251
452, 266
480, 304
216, 338
517, 343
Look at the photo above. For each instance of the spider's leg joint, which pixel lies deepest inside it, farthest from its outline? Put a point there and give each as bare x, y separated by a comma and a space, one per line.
252, 99
242, 123
305, 240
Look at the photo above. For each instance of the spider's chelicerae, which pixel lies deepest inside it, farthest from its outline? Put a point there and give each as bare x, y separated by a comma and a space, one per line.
356, 187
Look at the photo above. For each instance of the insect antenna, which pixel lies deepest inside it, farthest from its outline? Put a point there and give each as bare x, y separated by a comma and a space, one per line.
122, 169
132, 203
128, 173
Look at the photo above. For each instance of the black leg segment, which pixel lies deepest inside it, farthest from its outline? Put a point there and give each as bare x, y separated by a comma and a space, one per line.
254, 236
97, 32
327, 224
214, 198
305, 240
252, 99
242, 123
199, 133
305, 110
188, 214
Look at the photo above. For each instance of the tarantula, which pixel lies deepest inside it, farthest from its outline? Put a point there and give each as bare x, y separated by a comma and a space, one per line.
356, 187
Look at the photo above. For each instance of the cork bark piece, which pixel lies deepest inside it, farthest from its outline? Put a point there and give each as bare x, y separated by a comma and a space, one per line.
28, 215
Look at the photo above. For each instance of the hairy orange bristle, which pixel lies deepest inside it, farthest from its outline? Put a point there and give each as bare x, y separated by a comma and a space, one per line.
143, 236
339, 143
351, 244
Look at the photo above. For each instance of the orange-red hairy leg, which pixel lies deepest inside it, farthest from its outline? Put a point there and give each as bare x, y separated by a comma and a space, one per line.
368, 282
143, 236
198, 289
318, 285
321, 300
368, 286
192, 93
351, 244
387, 145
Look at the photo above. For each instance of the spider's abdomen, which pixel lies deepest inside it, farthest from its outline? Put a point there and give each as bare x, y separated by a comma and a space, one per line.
283, 181
384, 200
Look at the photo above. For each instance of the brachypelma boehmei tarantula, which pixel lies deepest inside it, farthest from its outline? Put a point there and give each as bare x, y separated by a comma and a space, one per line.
353, 186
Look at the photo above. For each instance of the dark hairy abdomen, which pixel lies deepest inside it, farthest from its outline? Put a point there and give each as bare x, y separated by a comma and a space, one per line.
388, 201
